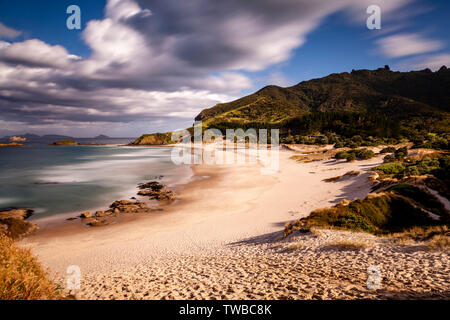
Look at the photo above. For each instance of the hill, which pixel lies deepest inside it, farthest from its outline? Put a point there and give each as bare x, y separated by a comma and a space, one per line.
379, 103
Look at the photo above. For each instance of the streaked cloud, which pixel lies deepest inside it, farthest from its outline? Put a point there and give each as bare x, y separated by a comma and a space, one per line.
407, 44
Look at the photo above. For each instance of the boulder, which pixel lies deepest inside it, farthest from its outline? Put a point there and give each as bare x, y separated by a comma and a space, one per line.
98, 223
13, 223
127, 206
85, 215
155, 190
153, 185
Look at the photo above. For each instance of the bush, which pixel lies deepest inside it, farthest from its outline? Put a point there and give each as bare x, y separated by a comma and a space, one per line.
364, 154
377, 214
389, 158
401, 153
388, 150
390, 168
411, 171
341, 155
351, 157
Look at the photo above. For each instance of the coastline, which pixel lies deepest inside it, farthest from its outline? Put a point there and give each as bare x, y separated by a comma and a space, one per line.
222, 240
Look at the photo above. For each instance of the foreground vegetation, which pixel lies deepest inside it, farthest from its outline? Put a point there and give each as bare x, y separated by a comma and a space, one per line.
398, 210
21, 275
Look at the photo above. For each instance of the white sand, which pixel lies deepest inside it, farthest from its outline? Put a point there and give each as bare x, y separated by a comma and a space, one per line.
222, 240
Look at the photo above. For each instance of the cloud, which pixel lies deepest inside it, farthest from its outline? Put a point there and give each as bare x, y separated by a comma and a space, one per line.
157, 62
401, 45
35, 53
8, 33
432, 62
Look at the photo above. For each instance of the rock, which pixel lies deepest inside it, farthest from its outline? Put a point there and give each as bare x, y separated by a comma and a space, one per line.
102, 213
67, 142
155, 190
127, 206
13, 224
98, 223
153, 185
73, 218
17, 139
85, 215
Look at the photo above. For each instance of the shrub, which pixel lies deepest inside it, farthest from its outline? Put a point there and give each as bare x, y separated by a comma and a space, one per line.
377, 214
390, 168
351, 157
389, 158
364, 154
411, 171
341, 155
388, 150
401, 153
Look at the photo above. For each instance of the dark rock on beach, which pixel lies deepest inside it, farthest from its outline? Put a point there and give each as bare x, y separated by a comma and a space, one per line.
13, 222
155, 191
127, 206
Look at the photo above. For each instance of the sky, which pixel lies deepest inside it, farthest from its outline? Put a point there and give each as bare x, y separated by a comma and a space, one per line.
144, 66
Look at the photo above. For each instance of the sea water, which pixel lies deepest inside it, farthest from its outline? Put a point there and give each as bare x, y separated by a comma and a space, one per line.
58, 180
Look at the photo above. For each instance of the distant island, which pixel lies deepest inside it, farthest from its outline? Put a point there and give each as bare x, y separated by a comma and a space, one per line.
102, 136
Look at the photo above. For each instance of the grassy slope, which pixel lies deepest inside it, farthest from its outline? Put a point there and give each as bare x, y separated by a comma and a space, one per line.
21, 275
401, 208
394, 94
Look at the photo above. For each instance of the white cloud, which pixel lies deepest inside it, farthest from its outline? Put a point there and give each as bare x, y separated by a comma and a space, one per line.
401, 45
35, 53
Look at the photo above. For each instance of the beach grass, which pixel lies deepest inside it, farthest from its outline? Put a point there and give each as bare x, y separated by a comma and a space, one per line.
21, 276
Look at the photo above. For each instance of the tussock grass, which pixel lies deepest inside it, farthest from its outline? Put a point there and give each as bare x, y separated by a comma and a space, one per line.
432, 238
21, 275
379, 214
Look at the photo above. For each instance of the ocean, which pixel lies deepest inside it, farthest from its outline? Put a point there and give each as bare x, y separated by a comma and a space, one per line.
57, 181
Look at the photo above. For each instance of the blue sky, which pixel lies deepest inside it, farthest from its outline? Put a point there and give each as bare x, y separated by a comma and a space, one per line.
143, 66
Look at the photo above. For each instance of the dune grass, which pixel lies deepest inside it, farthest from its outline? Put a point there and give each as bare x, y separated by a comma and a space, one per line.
378, 214
21, 275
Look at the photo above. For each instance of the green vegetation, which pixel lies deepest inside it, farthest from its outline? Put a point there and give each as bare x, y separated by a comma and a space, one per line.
388, 150
433, 141
397, 210
350, 155
361, 108
67, 142
390, 168
438, 166
154, 139
21, 275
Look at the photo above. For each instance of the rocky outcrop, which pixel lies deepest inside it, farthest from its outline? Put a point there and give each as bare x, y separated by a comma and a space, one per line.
17, 139
154, 139
67, 142
12, 144
155, 191
105, 217
13, 222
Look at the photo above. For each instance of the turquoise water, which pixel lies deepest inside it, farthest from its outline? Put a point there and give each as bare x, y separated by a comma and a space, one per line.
60, 180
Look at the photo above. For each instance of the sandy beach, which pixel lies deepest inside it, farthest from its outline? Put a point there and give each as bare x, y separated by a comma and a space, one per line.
223, 240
